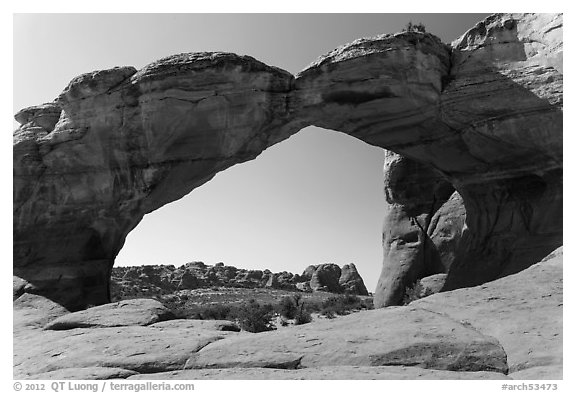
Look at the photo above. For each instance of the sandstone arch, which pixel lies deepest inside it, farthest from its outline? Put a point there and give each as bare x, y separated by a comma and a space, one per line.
484, 114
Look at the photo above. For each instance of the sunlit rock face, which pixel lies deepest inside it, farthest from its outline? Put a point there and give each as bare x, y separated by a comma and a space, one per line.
120, 143
482, 116
383, 90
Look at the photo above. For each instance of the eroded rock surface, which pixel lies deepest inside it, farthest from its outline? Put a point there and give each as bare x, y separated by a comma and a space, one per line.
508, 328
505, 99
126, 143
414, 193
140, 312
522, 311
406, 336
351, 282
485, 113
138, 348
157, 280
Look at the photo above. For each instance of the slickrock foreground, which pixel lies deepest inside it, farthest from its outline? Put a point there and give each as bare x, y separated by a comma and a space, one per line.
508, 328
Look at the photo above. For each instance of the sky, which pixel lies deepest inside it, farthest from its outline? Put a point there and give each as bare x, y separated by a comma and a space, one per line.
314, 198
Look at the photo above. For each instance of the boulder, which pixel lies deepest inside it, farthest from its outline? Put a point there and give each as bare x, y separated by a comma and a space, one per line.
188, 281
432, 284
326, 278
18, 287
254, 274
33, 311
351, 282
309, 271
273, 281
44, 116
133, 312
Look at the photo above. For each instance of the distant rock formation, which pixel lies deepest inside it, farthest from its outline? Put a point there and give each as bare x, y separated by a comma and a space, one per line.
153, 280
350, 280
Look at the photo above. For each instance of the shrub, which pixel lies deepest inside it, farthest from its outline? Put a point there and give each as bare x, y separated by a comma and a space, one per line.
215, 311
302, 316
417, 27
292, 307
415, 292
341, 305
288, 307
255, 317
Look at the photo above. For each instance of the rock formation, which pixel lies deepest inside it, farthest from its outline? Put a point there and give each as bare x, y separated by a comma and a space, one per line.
351, 282
458, 334
414, 194
505, 99
155, 280
484, 114
125, 143
326, 277
139, 312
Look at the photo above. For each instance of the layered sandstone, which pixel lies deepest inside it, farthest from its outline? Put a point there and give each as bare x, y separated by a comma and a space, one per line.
458, 334
484, 115
505, 99
129, 282
127, 142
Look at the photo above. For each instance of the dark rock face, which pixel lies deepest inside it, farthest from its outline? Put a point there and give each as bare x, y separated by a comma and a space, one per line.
446, 229
484, 115
423, 226
414, 194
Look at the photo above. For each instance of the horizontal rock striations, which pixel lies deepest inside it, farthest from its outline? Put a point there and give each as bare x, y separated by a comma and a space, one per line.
449, 335
505, 99
483, 114
127, 142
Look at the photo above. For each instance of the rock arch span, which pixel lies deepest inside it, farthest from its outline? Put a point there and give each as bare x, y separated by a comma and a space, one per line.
484, 115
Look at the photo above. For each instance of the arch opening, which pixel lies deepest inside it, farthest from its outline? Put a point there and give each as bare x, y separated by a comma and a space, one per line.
313, 198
